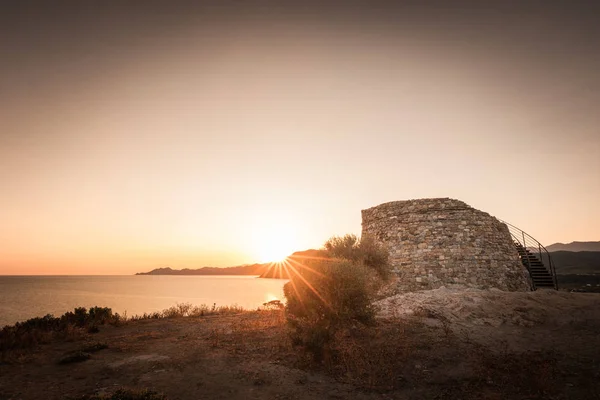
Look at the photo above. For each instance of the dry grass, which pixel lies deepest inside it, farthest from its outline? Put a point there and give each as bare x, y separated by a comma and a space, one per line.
259, 332
371, 357
418, 356
532, 373
396, 354
94, 347
182, 310
17, 340
128, 394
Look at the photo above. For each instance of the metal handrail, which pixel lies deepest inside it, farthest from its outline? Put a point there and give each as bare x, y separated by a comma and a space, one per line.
529, 242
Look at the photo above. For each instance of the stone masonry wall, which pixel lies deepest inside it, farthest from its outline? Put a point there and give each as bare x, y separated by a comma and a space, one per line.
440, 242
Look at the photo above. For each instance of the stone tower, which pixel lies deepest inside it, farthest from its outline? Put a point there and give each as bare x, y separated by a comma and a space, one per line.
441, 242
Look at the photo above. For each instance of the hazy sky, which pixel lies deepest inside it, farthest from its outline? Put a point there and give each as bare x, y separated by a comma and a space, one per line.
169, 134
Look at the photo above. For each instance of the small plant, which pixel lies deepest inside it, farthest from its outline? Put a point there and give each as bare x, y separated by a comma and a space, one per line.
94, 347
273, 305
78, 356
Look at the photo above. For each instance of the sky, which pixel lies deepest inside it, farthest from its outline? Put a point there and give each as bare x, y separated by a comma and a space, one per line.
138, 135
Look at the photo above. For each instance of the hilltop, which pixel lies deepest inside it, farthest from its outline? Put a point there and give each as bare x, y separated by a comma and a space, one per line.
252, 269
264, 270
574, 246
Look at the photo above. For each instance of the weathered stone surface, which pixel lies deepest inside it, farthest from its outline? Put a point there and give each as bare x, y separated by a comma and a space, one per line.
440, 242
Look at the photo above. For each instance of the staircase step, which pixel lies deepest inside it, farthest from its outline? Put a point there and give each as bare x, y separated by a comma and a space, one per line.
541, 277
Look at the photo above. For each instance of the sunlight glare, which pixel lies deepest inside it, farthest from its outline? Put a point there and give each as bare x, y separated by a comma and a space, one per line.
271, 297
275, 241
275, 248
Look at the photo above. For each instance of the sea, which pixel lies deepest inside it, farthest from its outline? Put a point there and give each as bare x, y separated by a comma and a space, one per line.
24, 297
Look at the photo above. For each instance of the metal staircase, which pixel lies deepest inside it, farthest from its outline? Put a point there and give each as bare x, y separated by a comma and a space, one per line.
535, 258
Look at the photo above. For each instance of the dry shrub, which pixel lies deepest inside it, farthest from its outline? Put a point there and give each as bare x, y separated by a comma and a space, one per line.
70, 325
324, 298
74, 357
94, 347
273, 305
365, 251
328, 295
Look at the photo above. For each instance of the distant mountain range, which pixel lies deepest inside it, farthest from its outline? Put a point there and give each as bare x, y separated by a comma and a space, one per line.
574, 246
571, 261
266, 270
254, 269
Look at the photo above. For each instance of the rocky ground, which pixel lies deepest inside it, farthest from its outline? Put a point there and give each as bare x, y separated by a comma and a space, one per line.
438, 344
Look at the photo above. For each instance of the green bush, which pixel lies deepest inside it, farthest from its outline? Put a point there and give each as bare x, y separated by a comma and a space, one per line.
365, 251
325, 296
41, 329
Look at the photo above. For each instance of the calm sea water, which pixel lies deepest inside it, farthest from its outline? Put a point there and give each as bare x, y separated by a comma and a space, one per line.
23, 297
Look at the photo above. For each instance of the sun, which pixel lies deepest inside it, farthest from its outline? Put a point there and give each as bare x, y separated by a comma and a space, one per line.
275, 248
274, 242
274, 233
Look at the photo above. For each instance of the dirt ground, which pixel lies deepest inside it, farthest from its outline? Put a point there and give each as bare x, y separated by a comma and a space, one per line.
440, 344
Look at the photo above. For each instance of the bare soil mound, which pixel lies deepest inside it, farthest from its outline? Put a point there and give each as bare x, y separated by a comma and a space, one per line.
494, 307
